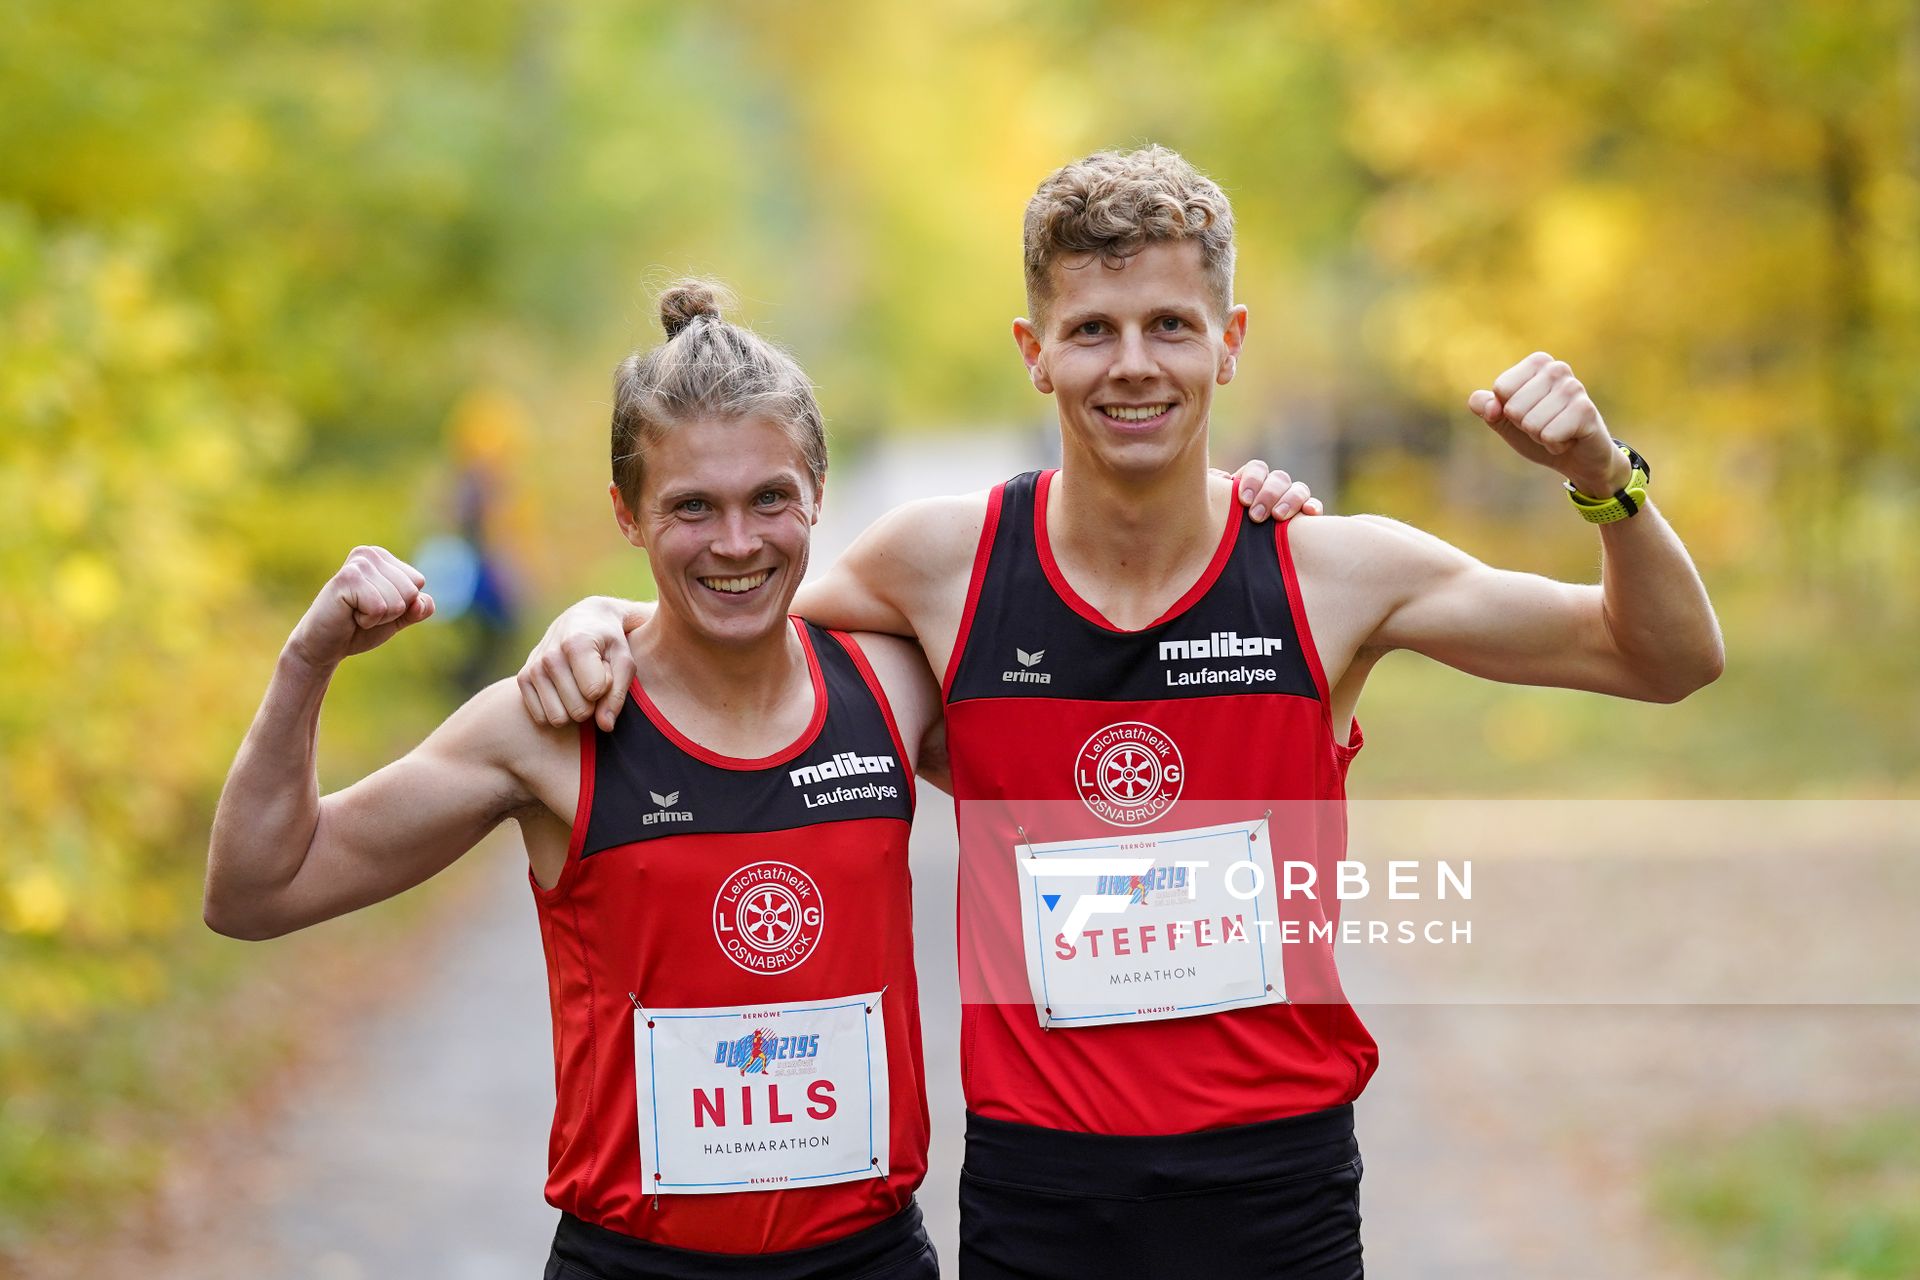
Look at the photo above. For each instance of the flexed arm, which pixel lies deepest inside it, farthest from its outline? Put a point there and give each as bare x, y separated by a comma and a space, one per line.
1647, 631
281, 856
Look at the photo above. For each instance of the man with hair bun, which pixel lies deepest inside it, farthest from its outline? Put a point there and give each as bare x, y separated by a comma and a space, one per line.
739, 1083
1200, 1120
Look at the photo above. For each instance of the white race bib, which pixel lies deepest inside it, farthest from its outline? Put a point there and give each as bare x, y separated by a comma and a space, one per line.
1141, 927
760, 1097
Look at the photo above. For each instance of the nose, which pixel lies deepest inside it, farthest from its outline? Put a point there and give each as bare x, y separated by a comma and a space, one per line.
734, 537
1133, 358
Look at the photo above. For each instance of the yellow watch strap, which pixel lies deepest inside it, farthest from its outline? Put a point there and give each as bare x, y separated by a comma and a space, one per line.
1624, 504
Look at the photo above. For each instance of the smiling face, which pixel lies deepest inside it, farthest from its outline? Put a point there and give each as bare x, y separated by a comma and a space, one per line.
1132, 353
725, 513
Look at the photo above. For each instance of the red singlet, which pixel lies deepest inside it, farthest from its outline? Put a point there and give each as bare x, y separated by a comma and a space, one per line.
1216, 712
771, 1095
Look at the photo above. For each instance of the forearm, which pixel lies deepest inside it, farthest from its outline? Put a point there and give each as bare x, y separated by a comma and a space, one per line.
270, 805
1655, 607
827, 602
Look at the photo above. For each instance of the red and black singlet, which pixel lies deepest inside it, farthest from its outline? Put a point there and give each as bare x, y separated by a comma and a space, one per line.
736, 1023
1219, 708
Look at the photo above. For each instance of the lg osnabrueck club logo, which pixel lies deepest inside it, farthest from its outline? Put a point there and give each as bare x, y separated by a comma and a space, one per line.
1129, 773
768, 916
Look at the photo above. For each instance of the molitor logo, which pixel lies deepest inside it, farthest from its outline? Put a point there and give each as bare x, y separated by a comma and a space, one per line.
1129, 773
768, 916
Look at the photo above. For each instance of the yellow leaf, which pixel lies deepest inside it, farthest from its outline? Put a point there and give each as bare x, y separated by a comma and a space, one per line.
86, 587
37, 902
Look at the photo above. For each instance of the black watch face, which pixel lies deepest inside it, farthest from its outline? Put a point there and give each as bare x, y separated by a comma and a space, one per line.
1633, 456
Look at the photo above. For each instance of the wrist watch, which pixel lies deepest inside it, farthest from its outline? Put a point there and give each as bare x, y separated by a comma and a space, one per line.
1625, 502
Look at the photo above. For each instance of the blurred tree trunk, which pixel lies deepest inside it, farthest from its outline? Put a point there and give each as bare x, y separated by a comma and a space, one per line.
1848, 373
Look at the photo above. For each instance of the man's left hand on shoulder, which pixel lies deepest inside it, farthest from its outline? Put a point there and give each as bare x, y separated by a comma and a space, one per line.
1272, 492
1545, 413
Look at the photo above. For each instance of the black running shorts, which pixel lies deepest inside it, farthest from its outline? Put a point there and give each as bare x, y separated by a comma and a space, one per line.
1278, 1199
897, 1249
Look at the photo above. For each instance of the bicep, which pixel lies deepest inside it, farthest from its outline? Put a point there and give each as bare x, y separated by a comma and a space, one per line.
1500, 624
408, 821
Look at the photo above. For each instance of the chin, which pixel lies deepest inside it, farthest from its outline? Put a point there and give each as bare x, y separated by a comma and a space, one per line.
731, 627
739, 633
1138, 454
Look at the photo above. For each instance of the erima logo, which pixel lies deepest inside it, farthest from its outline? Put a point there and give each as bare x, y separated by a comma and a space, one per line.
844, 764
1026, 675
1221, 644
667, 812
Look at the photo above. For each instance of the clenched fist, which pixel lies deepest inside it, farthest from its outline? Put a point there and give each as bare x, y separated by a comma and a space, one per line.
1544, 412
374, 595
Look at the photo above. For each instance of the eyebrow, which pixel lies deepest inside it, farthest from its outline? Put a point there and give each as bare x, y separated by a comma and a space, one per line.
1078, 318
1075, 319
783, 479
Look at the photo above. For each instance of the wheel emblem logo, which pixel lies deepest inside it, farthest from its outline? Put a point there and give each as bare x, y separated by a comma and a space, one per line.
1129, 773
768, 917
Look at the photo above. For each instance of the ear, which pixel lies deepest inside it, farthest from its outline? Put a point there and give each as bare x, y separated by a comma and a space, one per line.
1032, 351
819, 500
622, 516
1232, 336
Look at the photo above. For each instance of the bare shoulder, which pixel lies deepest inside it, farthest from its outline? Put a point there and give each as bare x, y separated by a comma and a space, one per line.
484, 725
493, 730
1364, 547
1355, 572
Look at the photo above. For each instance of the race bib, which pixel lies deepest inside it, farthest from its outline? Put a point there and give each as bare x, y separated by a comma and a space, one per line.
760, 1097
1141, 927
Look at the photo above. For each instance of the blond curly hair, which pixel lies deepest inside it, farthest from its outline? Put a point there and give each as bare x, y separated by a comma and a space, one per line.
1113, 204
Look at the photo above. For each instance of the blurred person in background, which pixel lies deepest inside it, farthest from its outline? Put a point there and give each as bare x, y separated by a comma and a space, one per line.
738, 1066
472, 567
1205, 1129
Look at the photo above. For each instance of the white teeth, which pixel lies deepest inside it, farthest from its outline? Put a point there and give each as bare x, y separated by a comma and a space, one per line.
737, 585
1135, 413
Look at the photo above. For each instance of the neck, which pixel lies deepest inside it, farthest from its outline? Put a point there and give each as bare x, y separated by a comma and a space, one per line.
750, 680
1153, 522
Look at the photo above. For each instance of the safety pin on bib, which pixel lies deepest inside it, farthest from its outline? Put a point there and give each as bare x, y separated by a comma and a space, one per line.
1046, 1011
642, 1011
1253, 831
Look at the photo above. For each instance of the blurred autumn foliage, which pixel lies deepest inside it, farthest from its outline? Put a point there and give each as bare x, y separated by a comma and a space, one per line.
260, 262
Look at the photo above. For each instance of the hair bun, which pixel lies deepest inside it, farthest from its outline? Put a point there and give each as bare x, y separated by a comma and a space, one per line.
686, 301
